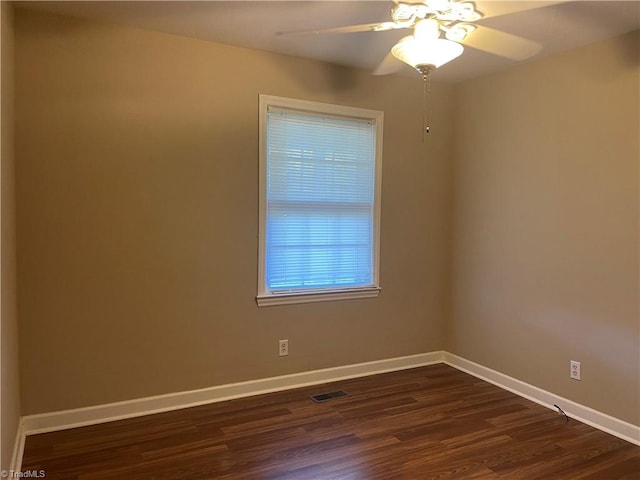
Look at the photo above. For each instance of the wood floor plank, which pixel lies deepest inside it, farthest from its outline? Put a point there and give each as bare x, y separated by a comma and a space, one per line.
425, 423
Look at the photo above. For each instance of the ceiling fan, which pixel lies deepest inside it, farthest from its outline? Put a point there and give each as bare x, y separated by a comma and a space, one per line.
440, 29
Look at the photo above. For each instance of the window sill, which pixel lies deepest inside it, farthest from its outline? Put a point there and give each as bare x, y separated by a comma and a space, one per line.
311, 297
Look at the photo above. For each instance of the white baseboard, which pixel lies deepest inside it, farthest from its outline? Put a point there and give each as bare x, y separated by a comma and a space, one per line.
599, 420
48, 422
18, 449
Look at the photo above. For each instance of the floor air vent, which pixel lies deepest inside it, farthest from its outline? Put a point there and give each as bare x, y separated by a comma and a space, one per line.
323, 397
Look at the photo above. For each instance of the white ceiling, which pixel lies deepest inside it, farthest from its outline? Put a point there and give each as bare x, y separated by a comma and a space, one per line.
555, 26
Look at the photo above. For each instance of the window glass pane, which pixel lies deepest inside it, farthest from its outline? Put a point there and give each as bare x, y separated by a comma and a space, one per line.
320, 201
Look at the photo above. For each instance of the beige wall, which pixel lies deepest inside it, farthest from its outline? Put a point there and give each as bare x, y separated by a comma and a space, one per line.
546, 224
9, 386
137, 182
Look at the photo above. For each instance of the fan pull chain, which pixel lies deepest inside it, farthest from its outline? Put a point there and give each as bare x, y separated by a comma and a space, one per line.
426, 114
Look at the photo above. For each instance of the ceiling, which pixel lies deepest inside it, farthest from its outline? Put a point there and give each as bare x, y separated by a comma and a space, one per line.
555, 26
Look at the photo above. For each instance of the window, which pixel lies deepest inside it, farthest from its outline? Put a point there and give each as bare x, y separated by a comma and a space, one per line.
320, 168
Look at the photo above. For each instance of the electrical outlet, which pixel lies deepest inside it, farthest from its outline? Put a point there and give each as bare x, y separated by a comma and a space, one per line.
575, 370
283, 347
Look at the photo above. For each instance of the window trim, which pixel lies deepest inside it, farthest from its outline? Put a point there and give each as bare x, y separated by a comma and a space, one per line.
266, 297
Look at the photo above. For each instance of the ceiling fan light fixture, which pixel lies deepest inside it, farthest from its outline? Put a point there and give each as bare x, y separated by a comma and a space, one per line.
466, 11
426, 30
459, 32
403, 12
438, 5
419, 54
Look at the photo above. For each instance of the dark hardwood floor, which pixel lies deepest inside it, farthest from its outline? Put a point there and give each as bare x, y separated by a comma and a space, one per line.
432, 422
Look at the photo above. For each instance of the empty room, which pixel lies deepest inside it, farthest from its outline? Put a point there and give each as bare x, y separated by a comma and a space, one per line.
320, 240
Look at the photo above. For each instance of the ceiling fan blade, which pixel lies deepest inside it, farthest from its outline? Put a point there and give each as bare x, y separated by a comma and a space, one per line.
501, 43
389, 64
491, 9
366, 27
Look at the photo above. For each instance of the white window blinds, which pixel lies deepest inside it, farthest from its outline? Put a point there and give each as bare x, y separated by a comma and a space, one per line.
320, 201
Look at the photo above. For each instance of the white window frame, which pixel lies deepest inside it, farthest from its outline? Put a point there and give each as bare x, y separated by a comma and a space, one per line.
266, 297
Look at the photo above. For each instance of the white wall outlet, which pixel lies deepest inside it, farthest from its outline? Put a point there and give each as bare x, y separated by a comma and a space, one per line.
575, 370
283, 347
